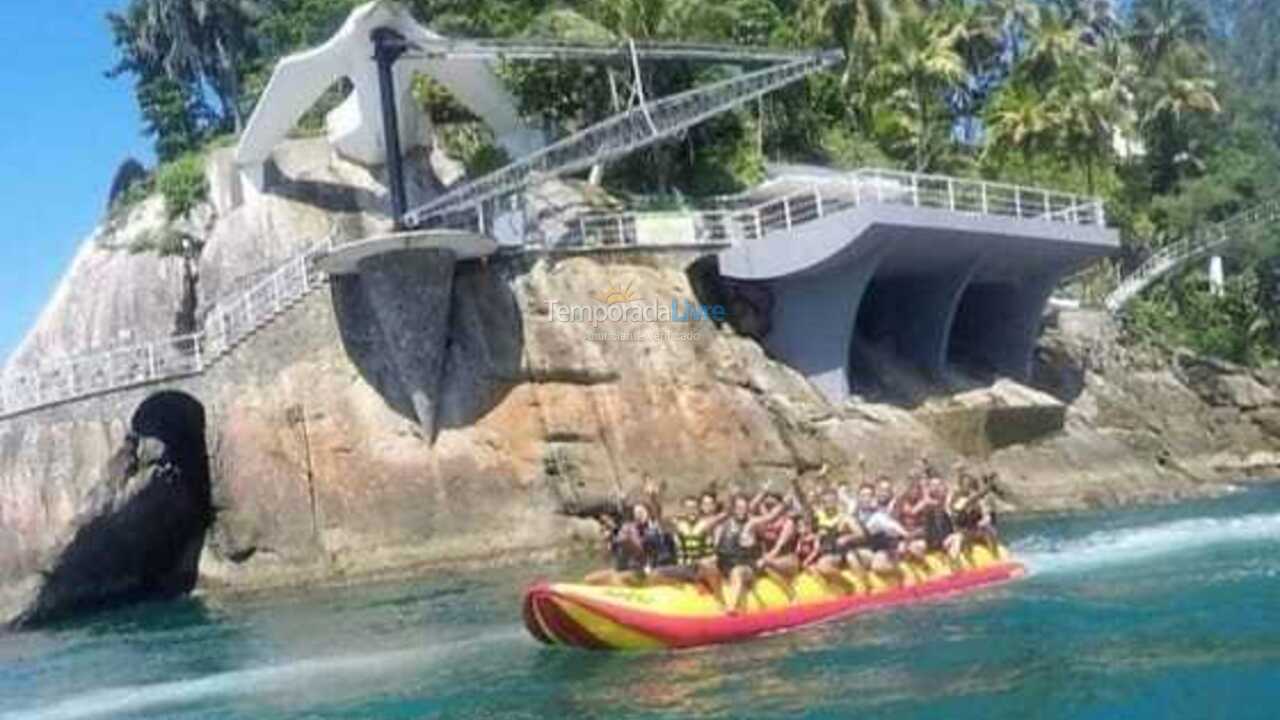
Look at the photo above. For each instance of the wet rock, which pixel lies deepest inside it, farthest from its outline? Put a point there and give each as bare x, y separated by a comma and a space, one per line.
137, 537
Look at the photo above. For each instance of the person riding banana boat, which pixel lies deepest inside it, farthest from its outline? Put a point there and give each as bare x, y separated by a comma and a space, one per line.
772, 562
873, 530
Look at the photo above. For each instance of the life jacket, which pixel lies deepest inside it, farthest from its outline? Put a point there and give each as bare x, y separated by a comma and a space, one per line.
692, 545
937, 526
826, 522
969, 517
730, 550
659, 548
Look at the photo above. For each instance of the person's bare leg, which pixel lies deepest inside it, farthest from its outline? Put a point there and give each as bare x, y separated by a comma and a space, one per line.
954, 545
859, 560
884, 563
709, 575
828, 568
601, 577
783, 570
740, 579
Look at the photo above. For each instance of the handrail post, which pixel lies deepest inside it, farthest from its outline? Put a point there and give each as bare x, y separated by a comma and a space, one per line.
759, 225
1099, 213
1048, 207
915, 190
986, 205
480, 216
786, 211
622, 233
951, 194
1017, 202
879, 191
582, 228
817, 200
151, 361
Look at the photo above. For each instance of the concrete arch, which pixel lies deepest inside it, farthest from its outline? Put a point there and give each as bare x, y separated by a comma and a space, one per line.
915, 311
998, 321
814, 321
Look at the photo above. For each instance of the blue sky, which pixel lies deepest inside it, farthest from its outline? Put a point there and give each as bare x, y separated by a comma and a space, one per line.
64, 128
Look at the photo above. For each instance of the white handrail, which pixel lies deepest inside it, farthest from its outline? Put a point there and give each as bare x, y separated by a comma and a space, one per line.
1180, 252
225, 326
892, 187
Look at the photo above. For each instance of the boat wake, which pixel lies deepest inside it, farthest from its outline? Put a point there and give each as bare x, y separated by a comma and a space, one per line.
129, 701
1045, 555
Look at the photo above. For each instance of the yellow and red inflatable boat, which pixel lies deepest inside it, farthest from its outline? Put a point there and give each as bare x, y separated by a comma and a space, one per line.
686, 615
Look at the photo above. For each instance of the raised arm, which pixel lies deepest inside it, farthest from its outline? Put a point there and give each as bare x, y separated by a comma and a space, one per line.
784, 537
707, 524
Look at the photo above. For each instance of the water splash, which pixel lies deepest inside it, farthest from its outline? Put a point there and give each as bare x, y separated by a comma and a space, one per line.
1043, 554
129, 701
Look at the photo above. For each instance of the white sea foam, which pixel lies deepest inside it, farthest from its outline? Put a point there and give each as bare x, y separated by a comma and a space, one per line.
128, 701
1134, 544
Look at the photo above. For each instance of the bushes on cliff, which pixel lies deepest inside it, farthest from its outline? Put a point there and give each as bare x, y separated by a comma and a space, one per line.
183, 184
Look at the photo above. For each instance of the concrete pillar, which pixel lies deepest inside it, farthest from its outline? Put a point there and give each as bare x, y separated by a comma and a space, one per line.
1217, 278
410, 292
928, 312
999, 323
814, 319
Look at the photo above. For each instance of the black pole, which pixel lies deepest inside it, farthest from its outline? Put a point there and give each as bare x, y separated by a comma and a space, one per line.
388, 46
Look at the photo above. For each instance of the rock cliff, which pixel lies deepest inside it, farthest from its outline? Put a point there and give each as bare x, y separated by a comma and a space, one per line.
317, 468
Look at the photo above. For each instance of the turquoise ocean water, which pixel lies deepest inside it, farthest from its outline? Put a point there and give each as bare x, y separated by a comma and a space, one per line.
1153, 613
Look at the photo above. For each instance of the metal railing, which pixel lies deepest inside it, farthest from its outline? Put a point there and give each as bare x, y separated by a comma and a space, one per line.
1176, 254
229, 323
225, 326
617, 136
831, 194
552, 49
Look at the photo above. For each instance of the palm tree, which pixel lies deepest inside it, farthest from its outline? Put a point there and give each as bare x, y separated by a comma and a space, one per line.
1163, 27
1018, 121
191, 43
914, 73
1177, 91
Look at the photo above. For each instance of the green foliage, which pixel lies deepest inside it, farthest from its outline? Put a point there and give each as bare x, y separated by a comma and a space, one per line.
183, 185
164, 243
1232, 325
473, 145
1169, 110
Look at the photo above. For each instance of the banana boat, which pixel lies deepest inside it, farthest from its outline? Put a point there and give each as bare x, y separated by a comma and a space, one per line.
684, 615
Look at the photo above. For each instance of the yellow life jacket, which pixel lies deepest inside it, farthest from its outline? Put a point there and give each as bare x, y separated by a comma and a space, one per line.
827, 523
693, 546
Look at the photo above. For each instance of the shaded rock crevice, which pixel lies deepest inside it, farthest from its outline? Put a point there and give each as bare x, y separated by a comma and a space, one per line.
141, 529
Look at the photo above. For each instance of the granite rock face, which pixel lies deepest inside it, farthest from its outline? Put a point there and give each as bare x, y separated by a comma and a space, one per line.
318, 466
138, 532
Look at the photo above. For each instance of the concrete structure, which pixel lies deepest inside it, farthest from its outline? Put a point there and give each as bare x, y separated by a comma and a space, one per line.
354, 127
931, 269
906, 272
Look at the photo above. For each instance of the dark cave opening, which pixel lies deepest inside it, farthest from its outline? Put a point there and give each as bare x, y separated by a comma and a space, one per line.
174, 540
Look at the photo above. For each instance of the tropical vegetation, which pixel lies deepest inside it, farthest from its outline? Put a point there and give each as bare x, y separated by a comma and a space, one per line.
1168, 109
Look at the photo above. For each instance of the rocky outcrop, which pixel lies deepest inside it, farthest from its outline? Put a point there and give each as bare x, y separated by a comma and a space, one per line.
318, 465
138, 533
